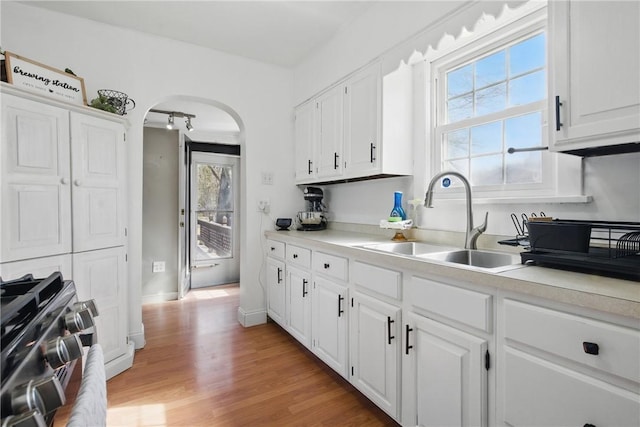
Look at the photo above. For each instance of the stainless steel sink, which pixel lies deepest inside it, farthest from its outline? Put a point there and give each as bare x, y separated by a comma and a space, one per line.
476, 258
407, 248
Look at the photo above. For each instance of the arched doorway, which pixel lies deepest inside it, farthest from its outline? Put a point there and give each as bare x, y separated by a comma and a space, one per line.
171, 228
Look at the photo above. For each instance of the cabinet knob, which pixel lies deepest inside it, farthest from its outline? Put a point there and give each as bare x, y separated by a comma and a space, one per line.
77, 182
326, 265
295, 256
64, 181
591, 348
589, 425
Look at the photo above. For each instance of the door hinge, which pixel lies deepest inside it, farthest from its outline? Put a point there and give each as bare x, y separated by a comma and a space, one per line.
345, 90
487, 360
124, 137
126, 257
125, 232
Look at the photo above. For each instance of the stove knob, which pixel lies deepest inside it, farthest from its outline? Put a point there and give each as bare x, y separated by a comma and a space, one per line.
28, 419
44, 395
88, 304
78, 320
62, 350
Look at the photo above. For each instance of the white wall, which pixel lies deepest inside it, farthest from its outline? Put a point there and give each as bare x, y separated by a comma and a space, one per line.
390, 31
149, 69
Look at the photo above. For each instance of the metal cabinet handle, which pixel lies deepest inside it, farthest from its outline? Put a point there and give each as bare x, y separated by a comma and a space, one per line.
305, 282
335, 160
326, 265
591, 348
295, 256
372, 152
272, 249
389, 322
406, 344
340, 310
589, 425
309, 167
558, 105
279, 275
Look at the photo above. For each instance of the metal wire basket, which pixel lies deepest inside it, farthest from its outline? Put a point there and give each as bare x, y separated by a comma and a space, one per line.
118, 100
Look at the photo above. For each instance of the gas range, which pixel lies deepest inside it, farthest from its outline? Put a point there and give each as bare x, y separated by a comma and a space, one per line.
43, 331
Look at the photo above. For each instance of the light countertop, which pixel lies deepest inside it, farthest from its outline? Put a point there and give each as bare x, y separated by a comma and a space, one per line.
609, 295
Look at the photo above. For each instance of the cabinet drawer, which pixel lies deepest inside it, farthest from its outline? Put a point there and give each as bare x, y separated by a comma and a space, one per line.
575, 338
461, 305
299, 256
331, 265
275, 249
380, 280
539, 393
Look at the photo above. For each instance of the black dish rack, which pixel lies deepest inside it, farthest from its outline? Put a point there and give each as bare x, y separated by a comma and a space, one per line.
613, 251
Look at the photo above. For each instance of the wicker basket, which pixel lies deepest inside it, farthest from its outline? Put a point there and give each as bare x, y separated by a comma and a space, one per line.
118, 100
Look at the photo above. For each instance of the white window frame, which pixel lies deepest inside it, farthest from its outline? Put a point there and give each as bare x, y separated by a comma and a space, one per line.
532, 20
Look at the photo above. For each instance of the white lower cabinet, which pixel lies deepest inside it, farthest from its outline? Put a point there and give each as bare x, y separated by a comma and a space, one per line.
39, 267
298, 304
444, 375
329, 324
276, 295
101, 275
374, 338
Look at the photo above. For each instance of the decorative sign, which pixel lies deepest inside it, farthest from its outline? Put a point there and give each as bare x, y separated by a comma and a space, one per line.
35, 77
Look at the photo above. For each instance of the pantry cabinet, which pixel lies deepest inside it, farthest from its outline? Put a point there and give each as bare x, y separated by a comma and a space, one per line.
561, 368
594, 92
63, 182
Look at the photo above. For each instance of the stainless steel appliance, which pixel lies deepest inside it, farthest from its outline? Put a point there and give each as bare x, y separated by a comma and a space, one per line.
314, 218
44, 329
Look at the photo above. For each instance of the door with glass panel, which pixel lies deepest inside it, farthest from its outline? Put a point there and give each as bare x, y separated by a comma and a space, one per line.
214, 219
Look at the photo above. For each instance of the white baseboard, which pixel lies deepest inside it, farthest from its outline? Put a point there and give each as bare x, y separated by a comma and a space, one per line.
120, 364
152, 299
138, 339
251, 319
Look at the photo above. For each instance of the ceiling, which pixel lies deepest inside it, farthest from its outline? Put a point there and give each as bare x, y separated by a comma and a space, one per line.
282, 33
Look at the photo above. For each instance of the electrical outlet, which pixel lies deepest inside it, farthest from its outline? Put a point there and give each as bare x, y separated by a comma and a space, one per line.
157, 267
263, 206
267, 178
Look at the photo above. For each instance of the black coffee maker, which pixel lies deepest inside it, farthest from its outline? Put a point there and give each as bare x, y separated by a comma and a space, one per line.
314, 217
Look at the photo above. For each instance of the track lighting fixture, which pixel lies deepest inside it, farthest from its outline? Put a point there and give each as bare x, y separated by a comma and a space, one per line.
172, 115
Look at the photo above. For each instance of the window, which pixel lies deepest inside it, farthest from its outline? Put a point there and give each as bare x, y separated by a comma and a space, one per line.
490, 95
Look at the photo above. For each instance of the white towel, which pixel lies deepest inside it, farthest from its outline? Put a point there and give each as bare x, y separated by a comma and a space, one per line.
90, 408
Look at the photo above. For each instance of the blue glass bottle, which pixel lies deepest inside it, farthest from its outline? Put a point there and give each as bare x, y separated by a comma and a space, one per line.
397, 210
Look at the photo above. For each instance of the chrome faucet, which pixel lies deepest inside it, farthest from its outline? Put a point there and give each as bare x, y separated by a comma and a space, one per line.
472, 234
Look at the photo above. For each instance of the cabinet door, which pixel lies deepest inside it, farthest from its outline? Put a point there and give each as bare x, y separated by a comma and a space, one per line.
329, 110
374, 339
299, 305
35, 173
362, 129
101, 275
329, 328
444, 378
594, 64
276, 291
39, 267
539, 393
305, 143
98, 165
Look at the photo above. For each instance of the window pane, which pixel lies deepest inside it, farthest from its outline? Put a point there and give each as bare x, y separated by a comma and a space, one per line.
528, 88
527, 55
523, 131
460, 81
491, 70
460, 108
524, 168
457, 144
461, 166
486, 170
486, 138
491, 99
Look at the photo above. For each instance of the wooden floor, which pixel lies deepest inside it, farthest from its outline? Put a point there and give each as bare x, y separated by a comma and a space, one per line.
200, 367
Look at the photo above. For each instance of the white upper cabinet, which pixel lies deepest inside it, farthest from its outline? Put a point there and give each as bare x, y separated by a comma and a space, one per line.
36, 174
329, 122
362, 122
97, 154
594, 92
305, 142
348, 137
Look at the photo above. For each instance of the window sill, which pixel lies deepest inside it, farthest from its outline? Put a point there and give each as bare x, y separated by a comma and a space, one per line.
521, 200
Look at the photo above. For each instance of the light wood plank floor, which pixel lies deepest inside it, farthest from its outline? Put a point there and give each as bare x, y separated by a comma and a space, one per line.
201, 368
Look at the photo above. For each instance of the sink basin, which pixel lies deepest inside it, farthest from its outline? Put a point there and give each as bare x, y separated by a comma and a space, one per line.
476, 258
407, 248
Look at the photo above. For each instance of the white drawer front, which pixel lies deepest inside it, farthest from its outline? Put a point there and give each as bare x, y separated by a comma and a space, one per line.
299, 256
539, 393
565, 335
380, 280
462, 305
275, 249
331, 265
